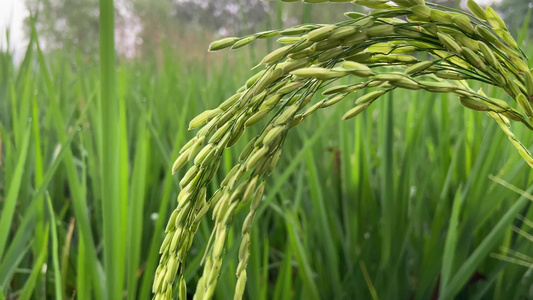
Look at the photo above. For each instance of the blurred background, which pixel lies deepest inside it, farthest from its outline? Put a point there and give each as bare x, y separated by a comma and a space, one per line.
144, 26
357, 209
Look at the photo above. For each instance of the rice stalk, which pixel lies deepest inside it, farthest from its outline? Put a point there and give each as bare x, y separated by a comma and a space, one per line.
464, 46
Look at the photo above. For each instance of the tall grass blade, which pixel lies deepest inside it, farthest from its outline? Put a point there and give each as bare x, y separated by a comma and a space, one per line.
39, 229
451, 243
303, 264
8, 209
135, 209
114, 238
37, 268
55, 251
65, 257
469, 266
80, 207
18, 247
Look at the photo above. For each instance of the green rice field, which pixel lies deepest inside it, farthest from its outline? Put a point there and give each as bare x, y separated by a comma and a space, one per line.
416, 198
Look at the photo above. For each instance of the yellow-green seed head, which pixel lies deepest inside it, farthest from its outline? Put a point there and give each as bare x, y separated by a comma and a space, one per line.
387, 77
406, 83
488, 54
494, 19
404, 3
243, 42
333, 100
220, 133
449, 43
506, 37
321, 33
290, 87
230, 101
342, 32
524, 105
356, 69
370, 97
355, 39
273, 134
410, 33
476, 9
180, 162
474, 104
329, 54
182, 294
255, 157
438, 87
419, 67
463, 22
421, 11
373, 3
473, 58
298, 30
275, 55
528, 79
223, 43
486, 34
441, 16
254, 78
380, 30
203, 153
296, 64
354, 111
241, 285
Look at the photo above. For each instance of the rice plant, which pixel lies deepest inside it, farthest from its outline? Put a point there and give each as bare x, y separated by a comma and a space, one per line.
415, 198
381, 48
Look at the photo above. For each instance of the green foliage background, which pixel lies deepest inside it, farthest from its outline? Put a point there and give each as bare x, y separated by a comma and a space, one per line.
412, 171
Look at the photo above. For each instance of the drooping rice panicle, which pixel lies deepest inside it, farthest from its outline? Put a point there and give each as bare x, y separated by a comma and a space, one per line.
464, 46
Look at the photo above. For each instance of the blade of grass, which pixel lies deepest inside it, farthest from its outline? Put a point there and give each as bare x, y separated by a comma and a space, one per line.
82, 282
326, 235
387, 173
52, 168
368, 281
123, 181
469, 266
29, 286
39, 229
305, 271
263, 294
77, 191
18, 246
284, 280
10, 202
114, 238
65, 257
135, 217
55, 256
451, 243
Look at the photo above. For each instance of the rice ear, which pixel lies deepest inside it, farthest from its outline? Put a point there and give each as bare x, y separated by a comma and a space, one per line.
312, 58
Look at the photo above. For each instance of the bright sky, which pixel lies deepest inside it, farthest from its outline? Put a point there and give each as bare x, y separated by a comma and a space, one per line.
13, 12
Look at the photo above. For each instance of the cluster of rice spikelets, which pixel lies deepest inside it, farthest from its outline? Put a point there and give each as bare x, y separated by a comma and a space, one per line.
464, 46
